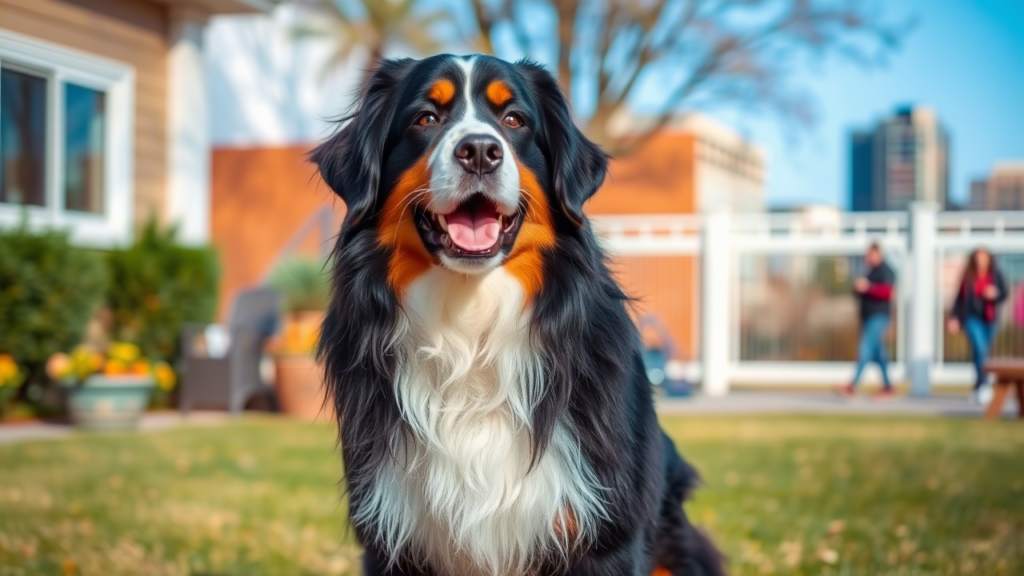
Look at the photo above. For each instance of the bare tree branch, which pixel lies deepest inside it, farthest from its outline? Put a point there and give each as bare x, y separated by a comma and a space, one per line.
739, 51
485, 25
567, 11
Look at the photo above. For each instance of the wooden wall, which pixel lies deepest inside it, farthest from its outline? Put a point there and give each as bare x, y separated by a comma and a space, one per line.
133, 32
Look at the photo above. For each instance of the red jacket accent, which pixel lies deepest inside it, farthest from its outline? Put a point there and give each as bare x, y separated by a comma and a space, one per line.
879, 291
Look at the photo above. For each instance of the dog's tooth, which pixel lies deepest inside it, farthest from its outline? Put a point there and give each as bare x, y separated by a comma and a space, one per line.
443, 221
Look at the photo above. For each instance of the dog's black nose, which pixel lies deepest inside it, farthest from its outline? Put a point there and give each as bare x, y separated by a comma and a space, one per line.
479, 153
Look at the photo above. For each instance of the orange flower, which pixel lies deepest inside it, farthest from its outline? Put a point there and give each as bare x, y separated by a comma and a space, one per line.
59, 366
8, 369
115, 368
140, 367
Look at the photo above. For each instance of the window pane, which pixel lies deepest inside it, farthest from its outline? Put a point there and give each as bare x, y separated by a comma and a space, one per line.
85, 119
22, 138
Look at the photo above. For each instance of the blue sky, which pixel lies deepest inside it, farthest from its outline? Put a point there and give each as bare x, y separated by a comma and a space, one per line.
965, 59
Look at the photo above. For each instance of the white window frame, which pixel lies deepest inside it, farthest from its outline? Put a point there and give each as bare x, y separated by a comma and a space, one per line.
60, 65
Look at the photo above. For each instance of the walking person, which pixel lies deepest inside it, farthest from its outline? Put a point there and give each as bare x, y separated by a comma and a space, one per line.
976, 311
874, 290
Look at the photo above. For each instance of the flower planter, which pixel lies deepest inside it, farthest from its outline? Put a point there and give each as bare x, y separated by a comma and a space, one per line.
110, 402
299, 387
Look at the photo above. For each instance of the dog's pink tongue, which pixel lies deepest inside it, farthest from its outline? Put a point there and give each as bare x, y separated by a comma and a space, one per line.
473, 230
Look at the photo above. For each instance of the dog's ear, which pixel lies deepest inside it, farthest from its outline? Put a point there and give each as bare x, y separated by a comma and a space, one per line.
350, 162
577, 165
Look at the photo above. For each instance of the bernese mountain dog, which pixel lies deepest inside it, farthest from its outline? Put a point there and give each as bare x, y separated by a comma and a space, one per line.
494, 414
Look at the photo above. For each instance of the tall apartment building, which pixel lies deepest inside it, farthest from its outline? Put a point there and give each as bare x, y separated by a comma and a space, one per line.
1003, 189
903, 159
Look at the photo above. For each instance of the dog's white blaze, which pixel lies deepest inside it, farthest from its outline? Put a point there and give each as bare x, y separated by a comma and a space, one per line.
460, 491
446, 174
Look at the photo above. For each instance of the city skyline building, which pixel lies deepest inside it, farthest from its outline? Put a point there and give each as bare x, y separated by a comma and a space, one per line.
903, 158
1002, 189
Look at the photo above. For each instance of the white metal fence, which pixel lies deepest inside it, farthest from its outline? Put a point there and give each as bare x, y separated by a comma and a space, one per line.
766, 298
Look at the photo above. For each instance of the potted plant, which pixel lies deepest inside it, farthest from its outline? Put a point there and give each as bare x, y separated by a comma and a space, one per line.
109, 389
302, 283
10, 378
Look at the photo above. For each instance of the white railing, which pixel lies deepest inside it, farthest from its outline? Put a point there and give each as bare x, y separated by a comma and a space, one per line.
737, 271
648, 235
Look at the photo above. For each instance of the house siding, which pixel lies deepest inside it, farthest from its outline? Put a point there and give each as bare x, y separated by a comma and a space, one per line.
133, 32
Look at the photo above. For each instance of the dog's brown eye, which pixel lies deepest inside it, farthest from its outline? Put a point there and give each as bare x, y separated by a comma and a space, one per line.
512, 121
427, 119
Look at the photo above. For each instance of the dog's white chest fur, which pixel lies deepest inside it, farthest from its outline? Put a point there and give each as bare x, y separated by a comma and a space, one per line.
461, 491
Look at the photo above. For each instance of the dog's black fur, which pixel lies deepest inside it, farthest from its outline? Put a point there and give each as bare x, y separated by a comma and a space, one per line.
591, 348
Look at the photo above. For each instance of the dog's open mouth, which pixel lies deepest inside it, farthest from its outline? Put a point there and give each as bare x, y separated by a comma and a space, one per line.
475, 229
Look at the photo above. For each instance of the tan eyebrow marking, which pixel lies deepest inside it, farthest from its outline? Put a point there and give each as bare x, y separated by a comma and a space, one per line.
442, 91
498, 93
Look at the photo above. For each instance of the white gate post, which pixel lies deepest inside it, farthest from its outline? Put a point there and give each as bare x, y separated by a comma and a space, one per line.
923, 301
716, 264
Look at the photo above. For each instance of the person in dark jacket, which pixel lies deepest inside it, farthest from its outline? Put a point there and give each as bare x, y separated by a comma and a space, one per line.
976, 308
874, 291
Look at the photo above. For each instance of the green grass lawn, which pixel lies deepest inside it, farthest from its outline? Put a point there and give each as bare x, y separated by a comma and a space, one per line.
782, 495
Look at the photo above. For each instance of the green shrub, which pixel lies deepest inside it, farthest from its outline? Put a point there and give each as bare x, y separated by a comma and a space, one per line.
49, 290
303, 284
156, 287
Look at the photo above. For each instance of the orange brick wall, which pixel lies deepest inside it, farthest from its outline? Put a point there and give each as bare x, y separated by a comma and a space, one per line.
666, 287
657, 179
260, 197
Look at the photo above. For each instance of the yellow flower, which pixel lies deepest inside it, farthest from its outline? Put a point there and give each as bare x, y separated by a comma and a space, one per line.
165, 376
81, 351
124, 352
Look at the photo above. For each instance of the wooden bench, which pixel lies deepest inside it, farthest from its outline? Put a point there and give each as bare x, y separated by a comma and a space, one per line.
1009, 373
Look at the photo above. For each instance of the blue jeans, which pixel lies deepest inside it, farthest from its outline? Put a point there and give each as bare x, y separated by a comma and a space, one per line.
980, 334
872, 347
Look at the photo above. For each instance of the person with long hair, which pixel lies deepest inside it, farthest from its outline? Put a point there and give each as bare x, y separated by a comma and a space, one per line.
976, 309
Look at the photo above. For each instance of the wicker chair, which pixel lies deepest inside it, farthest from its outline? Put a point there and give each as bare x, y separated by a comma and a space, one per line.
228, 378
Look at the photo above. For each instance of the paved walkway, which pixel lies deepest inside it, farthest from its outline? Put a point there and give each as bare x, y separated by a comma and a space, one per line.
771, 402
737, 402
151, 421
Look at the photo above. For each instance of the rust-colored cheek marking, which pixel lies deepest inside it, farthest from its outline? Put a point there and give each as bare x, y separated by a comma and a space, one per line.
659, 571
498, 93
397, 229
566, 526
442, 91
526, 262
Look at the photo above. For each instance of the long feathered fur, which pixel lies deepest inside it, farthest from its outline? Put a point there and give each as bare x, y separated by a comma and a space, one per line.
552, 381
